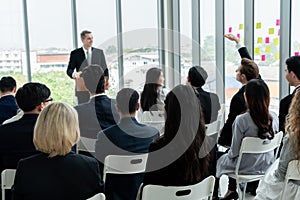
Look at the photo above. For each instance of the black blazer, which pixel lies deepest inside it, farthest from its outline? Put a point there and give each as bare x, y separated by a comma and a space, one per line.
96, 115
129, 136
78, 61
8, 107
210, 105
16, 141
62, 177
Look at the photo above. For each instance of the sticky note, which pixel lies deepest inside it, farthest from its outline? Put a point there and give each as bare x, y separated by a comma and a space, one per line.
267, 40
238, 35
230, 29
277, 56
258, 25
276, 41
259, 40
271, 31
277, 22
263, 57
296, 53
257, 51
268, 49
241, 26
278, 32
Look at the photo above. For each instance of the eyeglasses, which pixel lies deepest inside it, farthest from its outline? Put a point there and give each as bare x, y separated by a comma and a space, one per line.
47, 100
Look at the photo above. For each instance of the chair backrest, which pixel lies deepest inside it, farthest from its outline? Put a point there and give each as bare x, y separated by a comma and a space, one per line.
121, 164
221, 115
155, 119
7, 180
257, 145
202, 190
99, 196
86, 144
292, 173
212, 128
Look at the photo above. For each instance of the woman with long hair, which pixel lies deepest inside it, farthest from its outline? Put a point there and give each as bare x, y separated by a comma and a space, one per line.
273, 181
259, 122
180, 156
153, 95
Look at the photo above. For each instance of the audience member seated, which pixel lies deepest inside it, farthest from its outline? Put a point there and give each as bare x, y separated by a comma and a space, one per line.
8, 105
258, 121
100, 112
180, 156
57, 173
271, 186
209, 101
153, 94
126, 138
247, 71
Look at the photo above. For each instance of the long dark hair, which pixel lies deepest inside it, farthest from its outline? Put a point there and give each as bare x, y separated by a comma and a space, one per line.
150, 91
258, 101
184, 120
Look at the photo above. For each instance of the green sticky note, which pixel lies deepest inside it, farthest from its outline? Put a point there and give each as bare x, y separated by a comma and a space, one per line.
271, 31
276, 41
268, 49
258, 25
257, 50
259, 40
277, 56
241, 26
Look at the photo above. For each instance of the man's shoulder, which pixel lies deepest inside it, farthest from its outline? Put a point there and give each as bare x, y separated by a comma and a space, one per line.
286, 99
76, 50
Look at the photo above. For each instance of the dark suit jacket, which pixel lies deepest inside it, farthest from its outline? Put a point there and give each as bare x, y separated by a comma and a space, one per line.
129, 136
78, 61
16, 141
96, 115
62, 177
8, 107
210, 105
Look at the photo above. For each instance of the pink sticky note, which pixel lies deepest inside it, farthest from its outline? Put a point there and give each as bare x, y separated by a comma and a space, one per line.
238, 35
230, 29
263, 57
296, 53
277, 22
278, 32
267, 40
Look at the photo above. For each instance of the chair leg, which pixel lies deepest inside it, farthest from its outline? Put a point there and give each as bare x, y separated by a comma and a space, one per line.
3, 194
244, 192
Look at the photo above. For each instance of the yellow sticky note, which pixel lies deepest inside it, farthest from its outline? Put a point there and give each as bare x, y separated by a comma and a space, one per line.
276, 41
241, 26
268, 49
259, 40
271, 31
257, 50
277, 56
258, 25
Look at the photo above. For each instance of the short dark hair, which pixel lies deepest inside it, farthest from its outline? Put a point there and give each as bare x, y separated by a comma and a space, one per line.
31, 95
197, 76
249, 68
127, 100
93, 76
7, 84
293, 64
83, 33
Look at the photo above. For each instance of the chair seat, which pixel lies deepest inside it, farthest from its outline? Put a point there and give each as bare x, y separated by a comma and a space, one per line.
247, 178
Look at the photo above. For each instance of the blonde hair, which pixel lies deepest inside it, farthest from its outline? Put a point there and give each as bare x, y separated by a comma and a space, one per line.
56, 129
293, 124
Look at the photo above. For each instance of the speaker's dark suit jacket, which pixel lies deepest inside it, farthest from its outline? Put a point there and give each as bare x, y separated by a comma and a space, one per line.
16, 141
8, 107
72, 176
96, 115
237, 106
210, 105
122, 139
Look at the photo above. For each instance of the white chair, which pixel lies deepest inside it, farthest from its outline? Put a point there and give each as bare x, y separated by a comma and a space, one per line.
202, 190
86, 144
292, 173
155, 119
99, 196
7, 180
221, 115
212, 128
255, 146
121, 164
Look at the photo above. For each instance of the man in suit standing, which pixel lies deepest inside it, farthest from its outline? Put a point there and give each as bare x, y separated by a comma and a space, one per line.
8, 105
126, 138
82, 57
292, 75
